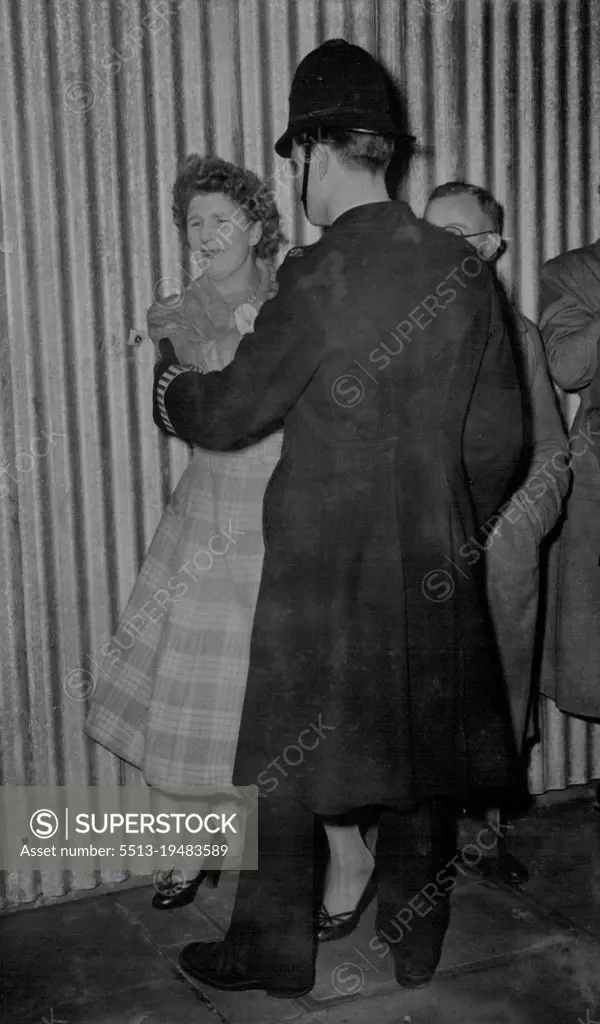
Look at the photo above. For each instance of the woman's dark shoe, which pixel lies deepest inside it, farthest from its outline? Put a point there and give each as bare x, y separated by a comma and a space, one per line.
339, 926
216, 964
173, 893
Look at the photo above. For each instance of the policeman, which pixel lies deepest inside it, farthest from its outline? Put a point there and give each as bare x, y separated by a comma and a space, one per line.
385, 341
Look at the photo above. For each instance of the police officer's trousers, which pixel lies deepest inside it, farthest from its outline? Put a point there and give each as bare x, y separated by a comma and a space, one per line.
273, 923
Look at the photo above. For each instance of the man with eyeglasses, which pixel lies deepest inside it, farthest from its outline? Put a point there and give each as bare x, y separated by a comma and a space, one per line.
514, 540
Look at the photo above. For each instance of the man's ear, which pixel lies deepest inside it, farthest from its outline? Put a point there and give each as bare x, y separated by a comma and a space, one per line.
492, 248
502, 247
321, 158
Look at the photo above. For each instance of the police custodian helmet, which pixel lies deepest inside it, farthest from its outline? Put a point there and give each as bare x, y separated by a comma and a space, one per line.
342, 87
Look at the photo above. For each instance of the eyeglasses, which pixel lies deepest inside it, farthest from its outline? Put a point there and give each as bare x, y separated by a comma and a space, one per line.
456, 231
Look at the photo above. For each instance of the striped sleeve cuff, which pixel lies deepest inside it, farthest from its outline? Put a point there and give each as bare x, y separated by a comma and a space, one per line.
175, 370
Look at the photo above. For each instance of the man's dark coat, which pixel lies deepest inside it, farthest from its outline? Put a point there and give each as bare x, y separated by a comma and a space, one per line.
373, 677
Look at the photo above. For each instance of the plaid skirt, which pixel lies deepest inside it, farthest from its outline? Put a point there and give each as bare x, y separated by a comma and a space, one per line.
169, 695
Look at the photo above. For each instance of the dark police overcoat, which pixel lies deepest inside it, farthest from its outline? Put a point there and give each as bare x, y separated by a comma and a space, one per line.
374, 677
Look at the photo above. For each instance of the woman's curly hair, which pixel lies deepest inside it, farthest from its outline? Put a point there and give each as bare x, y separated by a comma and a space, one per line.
203, 175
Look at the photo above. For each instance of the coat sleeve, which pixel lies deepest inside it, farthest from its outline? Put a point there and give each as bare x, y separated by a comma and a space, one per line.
570, 328
549, 477
497, 433
593, 413
235, 407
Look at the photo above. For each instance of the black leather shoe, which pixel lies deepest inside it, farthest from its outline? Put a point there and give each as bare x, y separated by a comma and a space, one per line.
339, 926
504, 868
406, 979
213, 963
171, 895
410, 975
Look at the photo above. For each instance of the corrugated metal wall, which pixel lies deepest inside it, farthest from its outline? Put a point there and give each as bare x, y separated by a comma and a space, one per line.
99, 100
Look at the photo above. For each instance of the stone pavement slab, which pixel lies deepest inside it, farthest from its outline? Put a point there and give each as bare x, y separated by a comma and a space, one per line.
502, 961
539, 989
113, 959
217, 904
85, 963
164, 1004
166, 928
564, 862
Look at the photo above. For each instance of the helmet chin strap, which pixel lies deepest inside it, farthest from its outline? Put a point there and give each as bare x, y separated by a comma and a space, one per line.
305, 175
